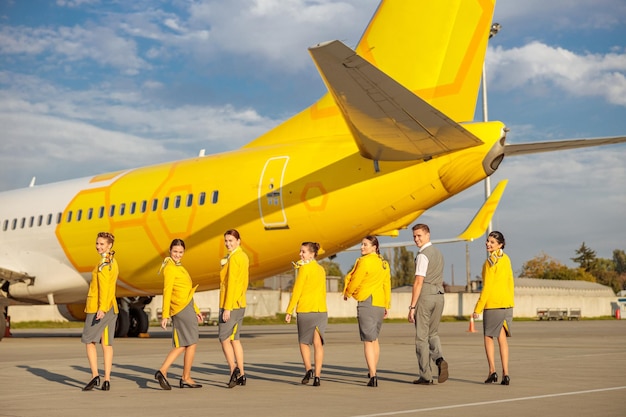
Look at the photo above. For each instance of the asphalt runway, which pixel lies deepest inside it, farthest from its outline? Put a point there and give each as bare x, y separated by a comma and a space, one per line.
557, 369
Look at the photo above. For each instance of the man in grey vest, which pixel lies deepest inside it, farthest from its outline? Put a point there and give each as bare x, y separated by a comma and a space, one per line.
427, 306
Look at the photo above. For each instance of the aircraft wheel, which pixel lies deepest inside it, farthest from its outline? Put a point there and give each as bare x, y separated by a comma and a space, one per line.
138, 322
123, 323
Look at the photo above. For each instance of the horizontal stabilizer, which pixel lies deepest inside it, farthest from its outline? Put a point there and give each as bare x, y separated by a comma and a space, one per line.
559, 145
388, 122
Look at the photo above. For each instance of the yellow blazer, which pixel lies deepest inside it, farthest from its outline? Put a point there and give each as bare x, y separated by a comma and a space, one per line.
234, 280
101, 294
178, 289
371, 275
309, 290
498, 287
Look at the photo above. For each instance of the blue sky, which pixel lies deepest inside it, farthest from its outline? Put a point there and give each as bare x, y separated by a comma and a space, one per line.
90, 86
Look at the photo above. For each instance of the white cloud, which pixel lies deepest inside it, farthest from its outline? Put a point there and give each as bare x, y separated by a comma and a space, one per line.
540, 67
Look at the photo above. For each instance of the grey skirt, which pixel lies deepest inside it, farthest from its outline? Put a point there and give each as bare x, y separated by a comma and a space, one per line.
308, 323
370, 319
230, 329
185, 327
102, 330
494, 319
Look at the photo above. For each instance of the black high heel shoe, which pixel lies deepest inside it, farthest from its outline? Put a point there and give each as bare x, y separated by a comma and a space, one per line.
184, 384
316, 381
162, 380
106, 386
307, 377
95, 382
505, 380
234, 377
373, 381
492, 378
241, 380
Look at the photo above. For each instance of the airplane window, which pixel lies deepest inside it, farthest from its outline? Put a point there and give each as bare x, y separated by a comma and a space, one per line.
59, 215
79, 215
133, 206
144, 204
49, 222
112, 210
122, 209
23, 222
89, 213
69, 216
5, 226
189, 200
215, 196
166, 203
14, 224
101, 212
201, 198
31, 221
40, 220
177, 202
155, 204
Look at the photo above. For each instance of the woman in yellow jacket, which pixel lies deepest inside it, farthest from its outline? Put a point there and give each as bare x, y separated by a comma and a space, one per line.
369, 282
178, 304
309, 300
233, 285
496, 299
101, 309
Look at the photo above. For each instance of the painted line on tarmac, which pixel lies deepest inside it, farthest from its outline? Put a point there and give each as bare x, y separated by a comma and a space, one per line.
448, 407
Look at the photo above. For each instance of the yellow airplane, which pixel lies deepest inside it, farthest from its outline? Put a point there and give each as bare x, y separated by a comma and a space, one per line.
392, 138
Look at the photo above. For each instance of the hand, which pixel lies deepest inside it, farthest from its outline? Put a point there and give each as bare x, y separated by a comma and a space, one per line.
100, 314
475, 315
164, 323
225, 315
411, 316
345, 298
288, 318
386, 314
200, 317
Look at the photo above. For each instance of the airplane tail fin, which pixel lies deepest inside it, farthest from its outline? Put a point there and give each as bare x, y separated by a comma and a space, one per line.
435, 49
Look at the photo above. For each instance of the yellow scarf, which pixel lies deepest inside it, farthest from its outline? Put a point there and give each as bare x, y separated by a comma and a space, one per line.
495, 256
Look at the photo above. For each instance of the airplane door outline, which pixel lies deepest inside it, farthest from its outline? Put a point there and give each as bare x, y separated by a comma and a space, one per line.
271, 207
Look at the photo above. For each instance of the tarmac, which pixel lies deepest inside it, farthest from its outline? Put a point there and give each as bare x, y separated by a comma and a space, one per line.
557, 368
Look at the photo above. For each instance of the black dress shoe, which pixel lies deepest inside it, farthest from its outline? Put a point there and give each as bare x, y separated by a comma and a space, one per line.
505, 380
233, 377
492, 378
316, 381
307, 377
185, 384
162, 381
95, 382
106, 386
442, 365
241, 380
423, 381
373, 382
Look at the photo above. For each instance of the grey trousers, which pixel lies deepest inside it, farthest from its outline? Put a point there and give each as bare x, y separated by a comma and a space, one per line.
427, 343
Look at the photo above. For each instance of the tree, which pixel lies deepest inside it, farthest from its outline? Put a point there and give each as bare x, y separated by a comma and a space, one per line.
403, 267
586, 258
619, 258
544, 266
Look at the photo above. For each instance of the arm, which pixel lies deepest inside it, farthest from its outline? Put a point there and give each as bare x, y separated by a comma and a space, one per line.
168, 288
417, 289
106, 290
485, 293
298, 288
357, 275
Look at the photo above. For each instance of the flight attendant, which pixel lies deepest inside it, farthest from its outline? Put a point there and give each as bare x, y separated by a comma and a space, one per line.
309, 300
369, 282
101, 309
178, 304
497, 300
233, 286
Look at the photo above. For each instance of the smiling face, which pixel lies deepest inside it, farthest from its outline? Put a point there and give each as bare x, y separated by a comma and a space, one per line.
103, 245
421, 237
306, 254
177, 252
492, 244
367, 247
231, 242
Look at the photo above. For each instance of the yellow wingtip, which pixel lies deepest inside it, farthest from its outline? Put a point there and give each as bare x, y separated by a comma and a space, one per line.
479, 223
